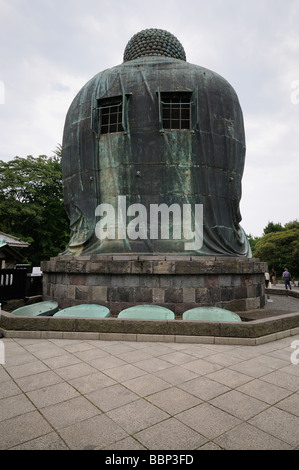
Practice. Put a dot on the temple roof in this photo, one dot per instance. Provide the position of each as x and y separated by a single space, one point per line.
12 241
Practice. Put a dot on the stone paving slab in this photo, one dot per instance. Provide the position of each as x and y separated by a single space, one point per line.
84 394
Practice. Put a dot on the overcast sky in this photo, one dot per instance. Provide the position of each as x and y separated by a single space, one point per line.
49 49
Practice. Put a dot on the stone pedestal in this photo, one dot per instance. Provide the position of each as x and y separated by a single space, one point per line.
176 282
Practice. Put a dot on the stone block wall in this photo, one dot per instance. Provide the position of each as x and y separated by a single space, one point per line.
175 282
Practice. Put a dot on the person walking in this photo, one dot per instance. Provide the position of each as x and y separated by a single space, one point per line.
287 277
267 279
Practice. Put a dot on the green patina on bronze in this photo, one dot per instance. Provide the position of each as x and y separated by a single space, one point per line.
84 311
47 308
154 42
147 312
210 314
150 165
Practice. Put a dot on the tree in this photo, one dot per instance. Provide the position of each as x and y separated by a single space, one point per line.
253 241
280 248
293 224
31 204
271 227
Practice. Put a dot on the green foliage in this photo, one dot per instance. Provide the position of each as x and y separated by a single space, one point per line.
252 241
271 227
280 247
31 204
290 225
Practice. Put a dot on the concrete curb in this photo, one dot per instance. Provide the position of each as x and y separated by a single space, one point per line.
251 333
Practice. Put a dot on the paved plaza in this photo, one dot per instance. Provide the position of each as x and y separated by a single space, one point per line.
60 394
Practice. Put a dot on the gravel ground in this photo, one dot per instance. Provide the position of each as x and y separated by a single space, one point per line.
275 305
